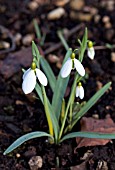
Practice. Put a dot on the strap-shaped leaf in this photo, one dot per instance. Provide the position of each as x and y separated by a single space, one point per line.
60 89
51 112
95 135
49 73
91 102
83 46
25 138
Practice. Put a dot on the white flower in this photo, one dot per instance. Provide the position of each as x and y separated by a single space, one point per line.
90 51
70 64
29 78
80 91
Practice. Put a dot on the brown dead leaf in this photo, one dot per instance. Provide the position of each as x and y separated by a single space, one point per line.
94 125
14 62
82 166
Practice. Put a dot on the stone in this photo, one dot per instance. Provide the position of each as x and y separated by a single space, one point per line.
35 162
17 38
80 16
77 4
97 18
61 2
105 19
53 58
33 5
56 13
113 56
108 25
27 39
4 45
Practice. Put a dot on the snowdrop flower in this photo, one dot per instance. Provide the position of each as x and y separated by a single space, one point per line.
80 91
29 78
72 63
90 51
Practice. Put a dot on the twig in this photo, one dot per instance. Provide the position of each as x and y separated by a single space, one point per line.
102 47
70 33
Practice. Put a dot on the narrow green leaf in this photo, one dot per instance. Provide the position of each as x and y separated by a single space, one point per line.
51 112
60 89
39 92
95 135
91 102
83 46
37 29
63 40
25 138
49 73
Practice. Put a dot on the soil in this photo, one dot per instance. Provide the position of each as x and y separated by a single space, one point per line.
20 114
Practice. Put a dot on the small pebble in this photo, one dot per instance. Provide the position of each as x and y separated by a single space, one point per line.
18 155
56 13
80 16
61 2
4 45
97 18
106 19
58 65
99 85
96 116
19 102
94 11
27 39
33 5
77 4
18 38
110 5
108 25
53 58
35 162
113 56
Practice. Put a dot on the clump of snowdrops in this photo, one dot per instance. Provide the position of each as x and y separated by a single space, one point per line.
61 116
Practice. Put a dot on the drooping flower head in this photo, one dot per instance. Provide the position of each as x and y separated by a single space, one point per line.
80 91
90 51
72 63
29 78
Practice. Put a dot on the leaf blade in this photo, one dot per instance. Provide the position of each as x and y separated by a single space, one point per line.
61 85
25 138
95 135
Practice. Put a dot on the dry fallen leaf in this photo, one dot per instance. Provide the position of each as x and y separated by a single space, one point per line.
94 125
82 166
14 62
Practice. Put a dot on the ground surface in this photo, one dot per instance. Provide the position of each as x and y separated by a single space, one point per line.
20 114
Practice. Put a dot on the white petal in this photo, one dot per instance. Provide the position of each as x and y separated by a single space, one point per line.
29 82
25 73
66 69
91 53
41 77
77 91
81 92
79 67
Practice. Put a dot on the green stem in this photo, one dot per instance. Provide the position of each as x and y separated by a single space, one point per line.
64 42
68 105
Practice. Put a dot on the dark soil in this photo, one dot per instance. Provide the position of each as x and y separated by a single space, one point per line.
20 114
